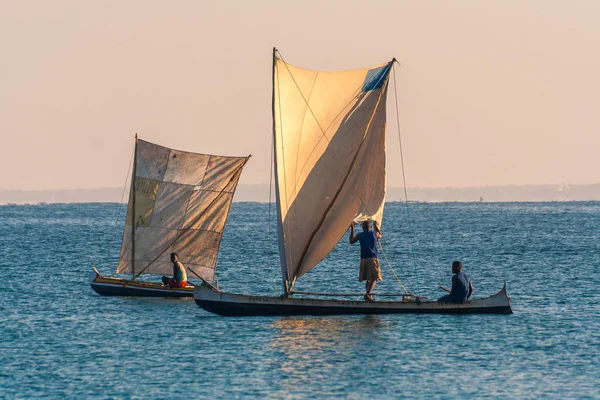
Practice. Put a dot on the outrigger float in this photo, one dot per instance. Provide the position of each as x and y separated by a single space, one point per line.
179 202
329 167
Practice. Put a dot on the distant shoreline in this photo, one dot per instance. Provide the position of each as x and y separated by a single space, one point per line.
260 193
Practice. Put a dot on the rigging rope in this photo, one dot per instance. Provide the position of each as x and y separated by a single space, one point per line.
411 247
391 268
269 218
120 207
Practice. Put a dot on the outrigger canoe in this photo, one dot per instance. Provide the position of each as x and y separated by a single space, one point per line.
109 286
179 202
329 169
212 300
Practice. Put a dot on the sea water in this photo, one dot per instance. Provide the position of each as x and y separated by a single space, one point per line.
59 339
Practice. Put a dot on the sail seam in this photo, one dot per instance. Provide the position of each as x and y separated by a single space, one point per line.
330 206
188 152
205 171
190 185
235 175
321 128
191 263
294 190
324 133
225 225
323 136
180 229
187 207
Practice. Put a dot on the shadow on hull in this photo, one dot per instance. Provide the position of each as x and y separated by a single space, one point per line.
248 310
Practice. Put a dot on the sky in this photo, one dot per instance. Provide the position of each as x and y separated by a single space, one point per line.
495 92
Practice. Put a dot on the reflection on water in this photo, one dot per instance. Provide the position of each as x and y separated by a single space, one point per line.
322 329
300 342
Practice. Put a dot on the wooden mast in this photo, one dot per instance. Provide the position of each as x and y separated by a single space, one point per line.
281 244
133 221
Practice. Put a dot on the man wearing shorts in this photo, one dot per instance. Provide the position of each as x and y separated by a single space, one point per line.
370 270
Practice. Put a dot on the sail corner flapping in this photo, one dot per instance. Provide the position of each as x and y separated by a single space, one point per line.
329 144
179 202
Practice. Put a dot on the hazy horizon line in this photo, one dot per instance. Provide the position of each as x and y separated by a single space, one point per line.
260 193
388 187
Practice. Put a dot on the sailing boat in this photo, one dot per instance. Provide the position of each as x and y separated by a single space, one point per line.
179 202
329 159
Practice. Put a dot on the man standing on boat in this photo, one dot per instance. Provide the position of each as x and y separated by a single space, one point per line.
179 278
370 270
462 287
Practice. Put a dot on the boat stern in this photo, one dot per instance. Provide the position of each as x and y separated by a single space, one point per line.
500 300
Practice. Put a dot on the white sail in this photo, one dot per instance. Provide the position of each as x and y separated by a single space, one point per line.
182 201
330 157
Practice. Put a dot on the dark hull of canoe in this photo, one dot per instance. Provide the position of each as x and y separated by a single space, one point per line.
226 304
108 286
249 310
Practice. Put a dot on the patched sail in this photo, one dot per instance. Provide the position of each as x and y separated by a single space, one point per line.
181 202
329 130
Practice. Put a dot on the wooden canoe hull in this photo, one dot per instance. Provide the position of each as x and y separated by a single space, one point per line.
227 304
109 286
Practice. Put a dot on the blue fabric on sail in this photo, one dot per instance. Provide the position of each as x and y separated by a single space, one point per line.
376 78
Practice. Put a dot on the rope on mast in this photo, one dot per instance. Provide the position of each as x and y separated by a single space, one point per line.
269 217
392 269
410 243
120 207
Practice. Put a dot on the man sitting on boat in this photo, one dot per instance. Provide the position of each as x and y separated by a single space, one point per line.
179 278
462 287
369 264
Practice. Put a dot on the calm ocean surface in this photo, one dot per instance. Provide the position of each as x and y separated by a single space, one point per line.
62 340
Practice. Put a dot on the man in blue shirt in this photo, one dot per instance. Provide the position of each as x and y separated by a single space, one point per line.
462 287
370 270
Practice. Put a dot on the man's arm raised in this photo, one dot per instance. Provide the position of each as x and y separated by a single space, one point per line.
353 238
377 231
